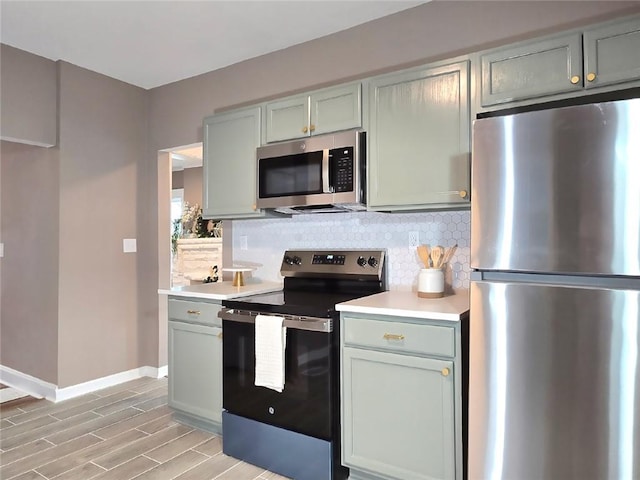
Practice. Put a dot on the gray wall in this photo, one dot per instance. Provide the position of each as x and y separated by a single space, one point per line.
29 191
177 179
111 185
28 95
191 180
103 138
69 298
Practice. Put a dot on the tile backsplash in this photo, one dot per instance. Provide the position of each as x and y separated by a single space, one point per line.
266 240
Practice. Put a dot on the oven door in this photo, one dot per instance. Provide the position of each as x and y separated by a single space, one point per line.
305 405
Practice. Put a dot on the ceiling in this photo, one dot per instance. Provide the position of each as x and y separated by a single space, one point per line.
188 157
150 43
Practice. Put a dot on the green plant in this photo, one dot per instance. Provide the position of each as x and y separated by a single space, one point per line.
190 216
175 235
192 224
206 228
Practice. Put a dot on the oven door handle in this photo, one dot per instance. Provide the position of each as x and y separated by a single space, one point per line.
313 324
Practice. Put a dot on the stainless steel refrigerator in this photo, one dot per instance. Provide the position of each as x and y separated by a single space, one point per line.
554 369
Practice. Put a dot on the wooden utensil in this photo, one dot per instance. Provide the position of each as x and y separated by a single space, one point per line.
441 262
448 254
423 253
436 256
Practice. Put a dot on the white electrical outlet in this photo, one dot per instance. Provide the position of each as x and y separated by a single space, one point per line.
129 245
414 239
244 242
1 250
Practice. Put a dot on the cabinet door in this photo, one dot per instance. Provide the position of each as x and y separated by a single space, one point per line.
229 173
419 143
336 109
288 118
398 415
195 370
532 70
612 53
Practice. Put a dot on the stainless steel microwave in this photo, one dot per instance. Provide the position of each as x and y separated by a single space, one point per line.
325 173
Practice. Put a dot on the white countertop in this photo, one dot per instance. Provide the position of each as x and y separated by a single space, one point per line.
408 304
221 290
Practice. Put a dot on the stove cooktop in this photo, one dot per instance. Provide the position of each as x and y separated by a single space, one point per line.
307 304
316 280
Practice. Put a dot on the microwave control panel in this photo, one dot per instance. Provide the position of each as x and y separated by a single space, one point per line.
341 161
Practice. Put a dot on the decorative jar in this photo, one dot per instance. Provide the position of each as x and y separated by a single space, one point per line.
431 283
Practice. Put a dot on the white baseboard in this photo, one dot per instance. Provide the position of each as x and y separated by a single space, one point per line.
154 372
8 394
25 383
41 389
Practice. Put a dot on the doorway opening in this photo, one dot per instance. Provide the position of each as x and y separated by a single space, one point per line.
180 238
185 209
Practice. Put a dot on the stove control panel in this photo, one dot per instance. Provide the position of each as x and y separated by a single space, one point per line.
333 263
372 261
328 259
292 260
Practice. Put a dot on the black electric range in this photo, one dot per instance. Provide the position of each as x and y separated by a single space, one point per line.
296 432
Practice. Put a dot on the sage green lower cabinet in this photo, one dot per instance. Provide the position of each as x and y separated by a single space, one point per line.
401 399
195 364
229 164
419 140
400 415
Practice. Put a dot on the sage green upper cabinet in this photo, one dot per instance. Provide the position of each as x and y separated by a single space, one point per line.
532 70
288 118
419 141
337 108
322 111
564 66
229 173
612 53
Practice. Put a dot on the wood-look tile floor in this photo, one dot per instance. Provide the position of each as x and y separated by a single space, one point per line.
119 433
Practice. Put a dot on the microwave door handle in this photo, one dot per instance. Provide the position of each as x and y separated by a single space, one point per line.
326 185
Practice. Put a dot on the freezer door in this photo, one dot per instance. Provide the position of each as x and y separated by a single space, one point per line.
558 191
554 383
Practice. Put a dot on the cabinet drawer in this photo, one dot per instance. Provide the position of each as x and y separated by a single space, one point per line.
399 336
193 311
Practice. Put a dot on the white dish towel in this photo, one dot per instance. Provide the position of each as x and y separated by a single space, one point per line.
271 340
